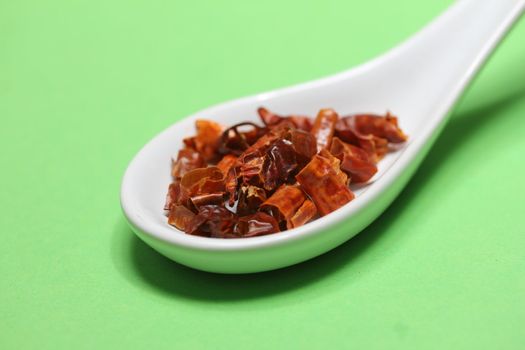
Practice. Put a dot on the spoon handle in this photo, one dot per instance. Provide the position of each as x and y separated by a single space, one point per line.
445 55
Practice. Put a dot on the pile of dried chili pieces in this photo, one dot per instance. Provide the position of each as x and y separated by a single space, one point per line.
249 180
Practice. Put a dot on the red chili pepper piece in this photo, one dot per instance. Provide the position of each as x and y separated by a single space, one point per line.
184 219
324 128
250 199
375 146
354 160
226 163
207 140
325 183
203 185
385 127
258 224
271 119
217 221
235 141
174 195
304 214
284 203
187 160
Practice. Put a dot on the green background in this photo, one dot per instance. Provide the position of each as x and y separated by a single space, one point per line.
84 84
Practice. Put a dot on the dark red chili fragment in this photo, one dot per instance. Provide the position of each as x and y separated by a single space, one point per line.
325 183
354 160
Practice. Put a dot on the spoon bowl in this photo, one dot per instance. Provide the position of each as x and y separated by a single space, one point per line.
419 81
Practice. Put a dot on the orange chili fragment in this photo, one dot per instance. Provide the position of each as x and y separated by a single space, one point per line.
385 127
271 119
174 195
324 127
375 146
354 160
257 224
206 142
226 163
325 183
203 185
304 214
184 219
187 160
283 204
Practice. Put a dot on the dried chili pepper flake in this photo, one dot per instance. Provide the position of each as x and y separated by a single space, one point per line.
202 181
251 168
267 117
325 183
306 212
235 141
257 224
203 186
324 127
301 122
226 163
268 162
216 198
279 163
384 127
187 160
262 144
184 219
354 160
304 144
207 139
216 220
375 146
189 142
231 184
298 121
284 203
250 199
173 196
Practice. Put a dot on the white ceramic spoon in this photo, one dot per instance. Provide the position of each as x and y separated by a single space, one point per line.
419 81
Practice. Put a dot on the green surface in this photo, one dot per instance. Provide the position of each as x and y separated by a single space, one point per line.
84 84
